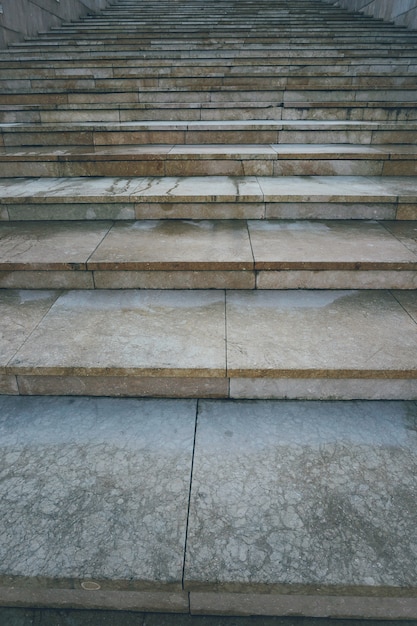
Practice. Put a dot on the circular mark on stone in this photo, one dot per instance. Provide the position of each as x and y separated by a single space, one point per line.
89 585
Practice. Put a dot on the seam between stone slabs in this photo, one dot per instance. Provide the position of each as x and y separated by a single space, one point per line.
59 292
87 261
189 499
382 223
391 291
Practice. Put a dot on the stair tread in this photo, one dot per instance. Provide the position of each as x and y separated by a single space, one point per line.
208 245
209 188
147 451
304 334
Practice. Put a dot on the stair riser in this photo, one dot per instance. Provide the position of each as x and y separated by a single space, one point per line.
206 167
219 279
91 138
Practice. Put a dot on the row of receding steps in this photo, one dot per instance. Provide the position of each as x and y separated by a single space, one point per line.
208 262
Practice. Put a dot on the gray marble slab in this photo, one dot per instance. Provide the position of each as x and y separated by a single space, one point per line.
304 497
94 489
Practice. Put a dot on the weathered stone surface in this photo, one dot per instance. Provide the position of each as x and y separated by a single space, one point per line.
308 497
94 489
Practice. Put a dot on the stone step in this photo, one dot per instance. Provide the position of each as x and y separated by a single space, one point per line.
240 344
310 68
203 160
208 254
225 132
111 111
187 491
209 197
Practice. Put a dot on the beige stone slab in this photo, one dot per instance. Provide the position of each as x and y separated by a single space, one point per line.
345 151
404 231
337 279
327 189
323 389
314 334
403 187
197 189
174 245
219 279
123 386
400 168
50 279
407 211
8 385
337 245
330 167
158 601
294 605
142 333
202 210
67 211
21 312
49 245
330 210
219 166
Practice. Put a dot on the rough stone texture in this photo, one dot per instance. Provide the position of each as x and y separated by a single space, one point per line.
94 489
319 334
402 12
304 498
21 18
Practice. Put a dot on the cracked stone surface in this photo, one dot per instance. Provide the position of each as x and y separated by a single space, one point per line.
94 489
317 496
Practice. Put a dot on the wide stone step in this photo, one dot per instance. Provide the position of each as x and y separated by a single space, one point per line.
196 160
206 507
207 254
209 197
259 82
239 344
111 111
225 132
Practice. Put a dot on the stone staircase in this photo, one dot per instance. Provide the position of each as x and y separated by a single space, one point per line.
210 207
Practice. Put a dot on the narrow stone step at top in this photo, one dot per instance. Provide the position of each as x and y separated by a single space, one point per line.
171 480
221 132
209 254
209 197
239 344
203 160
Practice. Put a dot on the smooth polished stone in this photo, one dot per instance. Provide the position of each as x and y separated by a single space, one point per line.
301 497
21 312
95 490
174 245
49 245
323 244
142 333
315 334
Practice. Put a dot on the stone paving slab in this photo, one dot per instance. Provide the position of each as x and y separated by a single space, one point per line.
141 333
304 498
95 493
319 334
